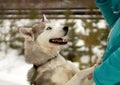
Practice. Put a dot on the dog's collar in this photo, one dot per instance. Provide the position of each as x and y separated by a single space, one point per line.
36 66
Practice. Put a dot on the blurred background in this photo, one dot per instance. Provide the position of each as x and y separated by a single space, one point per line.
87 36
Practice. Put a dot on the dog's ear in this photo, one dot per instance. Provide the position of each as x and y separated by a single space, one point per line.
27 33
44 19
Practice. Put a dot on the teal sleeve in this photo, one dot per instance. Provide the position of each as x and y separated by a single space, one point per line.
107 11
108 73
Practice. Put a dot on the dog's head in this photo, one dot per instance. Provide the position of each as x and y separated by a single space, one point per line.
46 33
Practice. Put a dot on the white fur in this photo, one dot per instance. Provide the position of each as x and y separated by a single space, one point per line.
40 50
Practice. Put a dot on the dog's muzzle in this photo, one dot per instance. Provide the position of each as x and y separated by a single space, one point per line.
62 40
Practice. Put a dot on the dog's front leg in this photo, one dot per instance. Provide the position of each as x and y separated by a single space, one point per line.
78 77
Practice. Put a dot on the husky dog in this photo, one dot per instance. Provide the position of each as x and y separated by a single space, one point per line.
42 46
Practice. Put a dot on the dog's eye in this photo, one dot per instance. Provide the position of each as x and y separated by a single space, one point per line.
49 28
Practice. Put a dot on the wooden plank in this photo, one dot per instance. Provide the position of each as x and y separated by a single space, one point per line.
13 9
51 17
20 4
51 12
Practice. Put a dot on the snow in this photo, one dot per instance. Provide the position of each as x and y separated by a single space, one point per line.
13 69
3 82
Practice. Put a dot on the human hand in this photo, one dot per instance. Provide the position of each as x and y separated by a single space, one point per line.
90 76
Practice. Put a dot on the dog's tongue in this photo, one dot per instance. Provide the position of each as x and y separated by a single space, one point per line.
58 41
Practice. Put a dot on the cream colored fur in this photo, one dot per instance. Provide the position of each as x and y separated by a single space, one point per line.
38 50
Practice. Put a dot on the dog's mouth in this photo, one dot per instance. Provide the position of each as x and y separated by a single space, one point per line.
59 41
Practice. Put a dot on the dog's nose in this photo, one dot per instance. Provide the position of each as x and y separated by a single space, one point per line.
65 28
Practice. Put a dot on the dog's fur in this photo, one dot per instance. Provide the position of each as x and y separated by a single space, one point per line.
39 49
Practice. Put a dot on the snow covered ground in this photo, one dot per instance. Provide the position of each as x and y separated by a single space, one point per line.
13 69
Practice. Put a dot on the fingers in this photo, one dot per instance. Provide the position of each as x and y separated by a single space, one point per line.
90 77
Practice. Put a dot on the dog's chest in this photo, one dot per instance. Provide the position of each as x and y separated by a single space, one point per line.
57 76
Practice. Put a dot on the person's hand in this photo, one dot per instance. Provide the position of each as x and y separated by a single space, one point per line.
90 77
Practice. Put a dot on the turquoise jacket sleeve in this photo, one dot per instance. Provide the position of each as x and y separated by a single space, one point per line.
105 7
108 73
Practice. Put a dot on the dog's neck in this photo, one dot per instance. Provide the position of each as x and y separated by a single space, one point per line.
59 60
47 61
37 55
